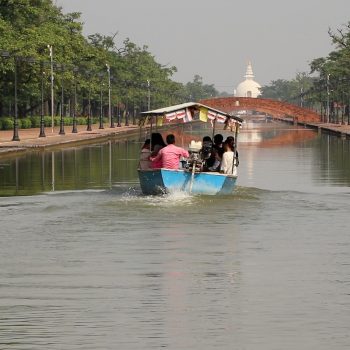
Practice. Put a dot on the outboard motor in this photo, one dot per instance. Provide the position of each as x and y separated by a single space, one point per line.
194 162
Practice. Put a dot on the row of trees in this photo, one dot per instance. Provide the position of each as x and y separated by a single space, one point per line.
327 86
27 27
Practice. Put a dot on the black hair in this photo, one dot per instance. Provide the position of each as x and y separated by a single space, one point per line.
157 139
170 139
218 138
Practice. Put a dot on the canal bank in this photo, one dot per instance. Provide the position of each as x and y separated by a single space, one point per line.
29 138
341 130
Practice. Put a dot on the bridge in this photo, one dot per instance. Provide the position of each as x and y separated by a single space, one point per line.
274 108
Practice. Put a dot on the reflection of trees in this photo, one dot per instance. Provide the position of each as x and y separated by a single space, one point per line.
335 158
78 168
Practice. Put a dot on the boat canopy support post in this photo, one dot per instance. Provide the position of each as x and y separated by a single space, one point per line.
212 138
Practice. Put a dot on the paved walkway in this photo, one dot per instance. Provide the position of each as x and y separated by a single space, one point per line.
340 130
29 138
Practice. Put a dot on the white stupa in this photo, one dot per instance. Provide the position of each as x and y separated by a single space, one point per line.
248 87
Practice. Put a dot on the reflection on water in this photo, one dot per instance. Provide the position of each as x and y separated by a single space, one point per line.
300 151
90 263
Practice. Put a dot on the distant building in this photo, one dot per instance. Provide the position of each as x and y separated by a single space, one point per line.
248 87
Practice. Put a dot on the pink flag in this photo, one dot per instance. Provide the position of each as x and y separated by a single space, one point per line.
170 116
220 118
211 115
181 114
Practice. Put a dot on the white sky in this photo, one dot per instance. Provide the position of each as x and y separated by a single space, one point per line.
216 39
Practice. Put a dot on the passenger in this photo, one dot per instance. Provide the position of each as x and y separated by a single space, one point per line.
170 155
216 154
218 139
231 141
157 143
205 152
145 163
227 165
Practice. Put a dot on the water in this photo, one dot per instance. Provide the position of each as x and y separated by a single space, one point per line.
96 265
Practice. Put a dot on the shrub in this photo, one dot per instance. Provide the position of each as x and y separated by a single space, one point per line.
81 121
68 121
24 123
57 121
7 123
47 121
35 122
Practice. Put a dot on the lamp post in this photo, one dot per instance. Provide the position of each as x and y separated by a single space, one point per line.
52 92
111 124
89 109
15 123
119 115
126 117
327 111
42 125
149 94
74 129
101 102
134 115
15 137
62 132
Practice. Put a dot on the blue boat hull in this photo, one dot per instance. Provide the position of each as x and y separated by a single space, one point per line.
158 181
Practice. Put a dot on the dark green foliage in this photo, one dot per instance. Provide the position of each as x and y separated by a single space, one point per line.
27 27
7 123
25 123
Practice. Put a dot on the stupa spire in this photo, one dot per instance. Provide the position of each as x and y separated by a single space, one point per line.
249 73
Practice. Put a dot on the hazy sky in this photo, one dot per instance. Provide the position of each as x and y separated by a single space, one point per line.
216 39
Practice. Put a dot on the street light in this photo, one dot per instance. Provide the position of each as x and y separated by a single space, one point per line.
109 96
15 137
149 94
62 101
74 129
42 126
52 92
327 112
89 106
15 123
119 115
101 102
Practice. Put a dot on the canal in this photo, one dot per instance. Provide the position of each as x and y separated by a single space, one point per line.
87 262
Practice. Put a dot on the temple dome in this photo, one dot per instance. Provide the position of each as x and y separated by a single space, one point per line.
248 87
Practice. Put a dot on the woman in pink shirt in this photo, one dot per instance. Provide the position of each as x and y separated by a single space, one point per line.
169 156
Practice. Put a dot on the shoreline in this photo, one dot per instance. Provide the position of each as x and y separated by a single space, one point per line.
30 140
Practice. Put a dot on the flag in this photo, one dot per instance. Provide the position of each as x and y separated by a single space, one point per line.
220 118
170 116
159 120
180 114
211 115
203 114
188 116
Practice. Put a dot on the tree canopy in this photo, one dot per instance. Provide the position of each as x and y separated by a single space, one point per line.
27 27
327 82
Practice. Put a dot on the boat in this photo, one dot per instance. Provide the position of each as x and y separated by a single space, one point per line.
190 177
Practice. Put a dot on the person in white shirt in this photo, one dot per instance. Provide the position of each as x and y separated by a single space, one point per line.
228 162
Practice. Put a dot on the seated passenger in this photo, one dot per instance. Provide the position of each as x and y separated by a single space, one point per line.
228 165
216 154
170 155
231 141
145 163
157 143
